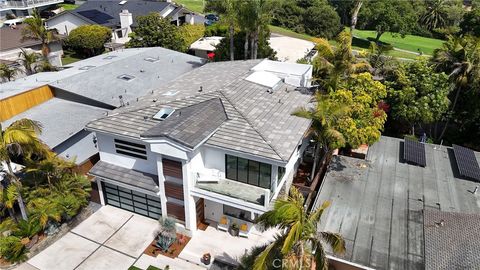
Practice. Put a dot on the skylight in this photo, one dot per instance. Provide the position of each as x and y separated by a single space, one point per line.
163 114
86 67
264 78
122 2
109 57
151 59
126 77
170 93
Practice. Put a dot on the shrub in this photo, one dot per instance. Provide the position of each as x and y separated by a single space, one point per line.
88 40
190 33
217 29
12 249
27 228
322 21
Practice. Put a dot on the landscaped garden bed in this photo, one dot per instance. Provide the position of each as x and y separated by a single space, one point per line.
168 242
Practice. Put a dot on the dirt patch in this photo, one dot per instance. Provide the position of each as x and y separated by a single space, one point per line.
173 251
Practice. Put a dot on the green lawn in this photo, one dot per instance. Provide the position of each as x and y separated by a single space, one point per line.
409 43
70 57
194 5
68 6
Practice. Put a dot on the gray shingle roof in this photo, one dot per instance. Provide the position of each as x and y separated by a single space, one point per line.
123 175
192 124
260 123
452 240
378 203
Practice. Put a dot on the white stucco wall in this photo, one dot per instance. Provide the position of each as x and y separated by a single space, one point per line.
213 210
107 153
65 23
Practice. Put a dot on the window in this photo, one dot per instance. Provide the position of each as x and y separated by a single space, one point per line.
248 171
126 77
163 114
238 213
130 149
281 173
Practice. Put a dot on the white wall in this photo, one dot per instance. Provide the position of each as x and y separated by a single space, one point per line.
213 210
107 153
65 23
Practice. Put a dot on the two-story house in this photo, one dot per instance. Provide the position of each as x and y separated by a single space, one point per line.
218 141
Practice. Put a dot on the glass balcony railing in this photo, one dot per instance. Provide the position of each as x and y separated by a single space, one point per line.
27 3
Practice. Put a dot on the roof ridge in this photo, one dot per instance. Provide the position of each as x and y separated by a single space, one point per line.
251 125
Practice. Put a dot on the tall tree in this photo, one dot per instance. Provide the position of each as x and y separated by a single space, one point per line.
300 243
321 20
418 95
435 15
7 73
153 30
335 63
355 11
35 29
460 58
396 17
28 60
21 137
324 116
470 24
228 12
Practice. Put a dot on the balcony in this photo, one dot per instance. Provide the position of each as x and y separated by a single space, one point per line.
26 4
212 181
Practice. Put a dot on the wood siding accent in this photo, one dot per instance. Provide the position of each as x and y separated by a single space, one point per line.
85 167
172 168
200 211
11 106
175 210
174 190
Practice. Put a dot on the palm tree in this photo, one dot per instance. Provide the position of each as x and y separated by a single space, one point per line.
19 138
52 168
460 58
35 29
8 196
254 16
299 242
436 14
324 116
334 63
28 60
45 66
7 73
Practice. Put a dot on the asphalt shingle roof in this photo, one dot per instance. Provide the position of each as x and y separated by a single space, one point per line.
191 125
452 240
131 177
378 203
260 123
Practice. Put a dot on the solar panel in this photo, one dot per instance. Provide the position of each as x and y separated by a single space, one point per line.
414 152
467 162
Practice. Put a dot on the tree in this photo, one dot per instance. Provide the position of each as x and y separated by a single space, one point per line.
228 12
45 66
299 241
50 169
89 40
222 50
441 14
28 59
7 73
288 14
191 33
335 63
35 29
397 17
8 196
460 58
21 137
418 94
321 20
153 30
471 23
364 119
356 10
324 116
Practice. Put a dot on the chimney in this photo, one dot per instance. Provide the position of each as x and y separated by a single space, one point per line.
126 20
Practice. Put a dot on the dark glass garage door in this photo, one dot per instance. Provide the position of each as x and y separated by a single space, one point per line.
132 201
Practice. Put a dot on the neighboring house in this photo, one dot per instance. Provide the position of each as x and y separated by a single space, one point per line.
119 16
396 215
22 8
65 101
218 141
205 46
11 43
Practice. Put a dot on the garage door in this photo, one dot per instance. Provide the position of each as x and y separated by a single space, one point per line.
133 201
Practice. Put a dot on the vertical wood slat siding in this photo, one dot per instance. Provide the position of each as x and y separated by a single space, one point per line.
174 190
176 211
199 206
11 106
172 168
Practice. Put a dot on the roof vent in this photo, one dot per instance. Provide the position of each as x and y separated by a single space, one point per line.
151 59
86 67
122 2
109 57
163 114
126 77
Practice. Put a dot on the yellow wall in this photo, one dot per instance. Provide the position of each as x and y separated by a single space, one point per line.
17 104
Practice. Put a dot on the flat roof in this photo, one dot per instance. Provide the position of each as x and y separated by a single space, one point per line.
206 43
378 203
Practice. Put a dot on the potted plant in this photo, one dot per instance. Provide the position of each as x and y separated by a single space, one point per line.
234 229
206 258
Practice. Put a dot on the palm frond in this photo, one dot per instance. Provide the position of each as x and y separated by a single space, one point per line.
335 240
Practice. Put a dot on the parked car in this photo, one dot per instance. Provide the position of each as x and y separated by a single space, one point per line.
212 17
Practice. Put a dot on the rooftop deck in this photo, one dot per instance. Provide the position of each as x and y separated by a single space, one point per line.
245 192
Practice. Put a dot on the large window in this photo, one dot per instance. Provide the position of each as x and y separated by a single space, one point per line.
248 171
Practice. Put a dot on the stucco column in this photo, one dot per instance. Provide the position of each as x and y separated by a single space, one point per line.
189 201
161 185
274 180
100 191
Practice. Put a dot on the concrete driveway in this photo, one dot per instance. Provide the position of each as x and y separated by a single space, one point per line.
110 238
